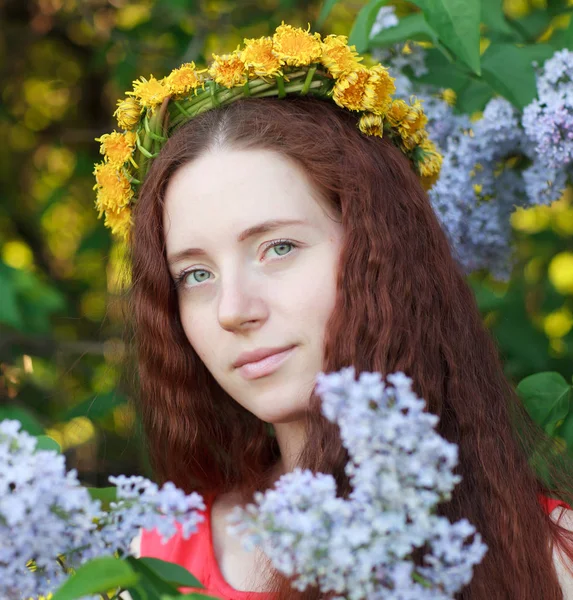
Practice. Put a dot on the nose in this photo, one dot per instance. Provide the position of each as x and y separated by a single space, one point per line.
241 303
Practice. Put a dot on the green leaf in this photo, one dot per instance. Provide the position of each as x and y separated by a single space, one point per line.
556 7
26 417
457 22
9 312
26 303
325 9
441 72
493 17
97 575
566 431
509 70
95 407
474 96
412 27
149 580
106 495
562 38
171 572
487 300
360 32
47 443
533 25
547 398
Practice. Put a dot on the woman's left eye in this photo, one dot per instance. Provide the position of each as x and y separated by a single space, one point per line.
281 247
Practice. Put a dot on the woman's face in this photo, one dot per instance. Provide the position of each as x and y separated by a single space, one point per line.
245 281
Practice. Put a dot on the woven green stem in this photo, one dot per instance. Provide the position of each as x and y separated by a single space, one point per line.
301 81
213 94
308 81
281 86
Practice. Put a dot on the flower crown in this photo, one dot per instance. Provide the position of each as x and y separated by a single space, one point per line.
292 61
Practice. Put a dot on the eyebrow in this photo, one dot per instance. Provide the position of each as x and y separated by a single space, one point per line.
248 233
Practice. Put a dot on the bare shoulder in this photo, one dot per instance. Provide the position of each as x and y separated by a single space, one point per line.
563 565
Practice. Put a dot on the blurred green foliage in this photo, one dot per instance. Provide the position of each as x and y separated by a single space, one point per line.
63 64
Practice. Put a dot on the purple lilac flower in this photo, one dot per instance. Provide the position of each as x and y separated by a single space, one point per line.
400 469
45 513
548 120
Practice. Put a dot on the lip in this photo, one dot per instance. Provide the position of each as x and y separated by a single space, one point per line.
256 355
265 366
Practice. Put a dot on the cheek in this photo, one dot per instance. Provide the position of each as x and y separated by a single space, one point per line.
319 295
195 330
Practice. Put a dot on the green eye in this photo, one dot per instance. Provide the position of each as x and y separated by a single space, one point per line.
282 247
199 275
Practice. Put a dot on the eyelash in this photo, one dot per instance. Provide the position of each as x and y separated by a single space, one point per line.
179 279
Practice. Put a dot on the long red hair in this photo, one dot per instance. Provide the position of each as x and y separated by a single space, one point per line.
402 304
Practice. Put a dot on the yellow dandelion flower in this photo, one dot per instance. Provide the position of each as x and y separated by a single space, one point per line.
431 162
409 121
258 56
397 112
127 113
149 93
371 124
184 79
228 70
338 57
350 89
295 46
379 90
113 188
117 147
412 127
119 222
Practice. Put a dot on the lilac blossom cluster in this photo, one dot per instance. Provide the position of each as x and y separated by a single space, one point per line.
495 163
362 547
48 517
548 120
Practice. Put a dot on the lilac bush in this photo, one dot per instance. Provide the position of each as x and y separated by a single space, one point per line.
494 163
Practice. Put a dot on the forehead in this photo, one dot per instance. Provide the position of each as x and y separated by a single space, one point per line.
225 191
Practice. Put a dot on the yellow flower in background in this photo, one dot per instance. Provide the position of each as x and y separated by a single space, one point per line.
558 323
128 113
184 79
149 93
117 147
113 188
531 220
560 272
350 89
259 57
371 124
379 90
338 57
119 221
449 96
431 161
228 70
295 46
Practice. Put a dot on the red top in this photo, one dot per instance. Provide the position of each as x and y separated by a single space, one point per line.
196 554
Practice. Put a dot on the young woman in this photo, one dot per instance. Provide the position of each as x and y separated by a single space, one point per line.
273 239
